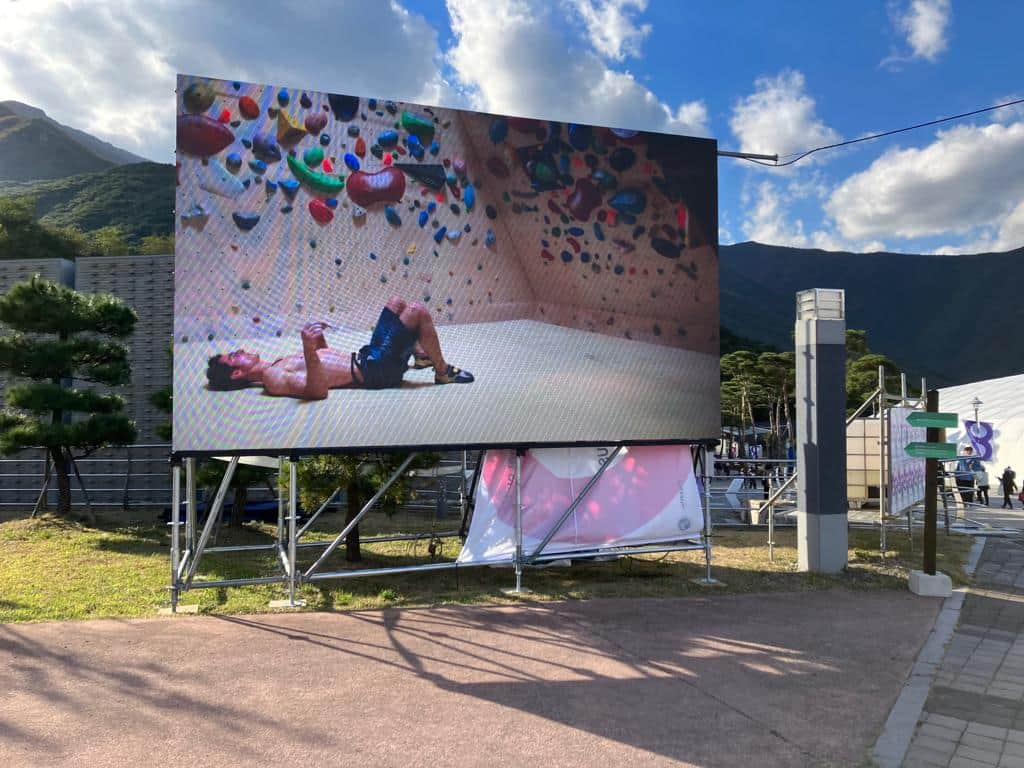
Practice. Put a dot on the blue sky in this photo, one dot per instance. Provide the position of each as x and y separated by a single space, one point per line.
765 77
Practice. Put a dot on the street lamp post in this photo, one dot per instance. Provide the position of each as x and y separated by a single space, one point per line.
976 402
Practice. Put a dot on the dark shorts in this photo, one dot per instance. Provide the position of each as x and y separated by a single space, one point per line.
384 361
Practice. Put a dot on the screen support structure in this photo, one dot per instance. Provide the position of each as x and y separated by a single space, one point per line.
187 551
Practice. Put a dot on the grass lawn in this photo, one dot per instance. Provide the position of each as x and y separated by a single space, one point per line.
54 569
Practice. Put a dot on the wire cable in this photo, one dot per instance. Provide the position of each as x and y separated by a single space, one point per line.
797 156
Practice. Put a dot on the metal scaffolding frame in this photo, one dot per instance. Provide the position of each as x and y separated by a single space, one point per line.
187 550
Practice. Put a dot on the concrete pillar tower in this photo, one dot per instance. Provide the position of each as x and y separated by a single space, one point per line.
821 430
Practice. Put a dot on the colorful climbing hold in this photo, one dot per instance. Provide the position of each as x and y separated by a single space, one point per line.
598 232
258 166
417 126
325 139
489 238
305 101
315 123
289 187
360 148
233 161
246 221
434 148
584 199
320 211
358 212
454 235
630 201
580 136
328 166
386 185
392 216
202 136
666 248
439 234
265 148
319 182
289 132
343 107
313 157
622 159
498 130
388 138
469 197
283 98
387 158
423 217
331 202
198 97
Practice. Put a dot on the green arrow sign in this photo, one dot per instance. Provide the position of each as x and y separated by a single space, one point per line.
934 420
932 450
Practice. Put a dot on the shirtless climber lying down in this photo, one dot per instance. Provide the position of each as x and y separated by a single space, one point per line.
403 330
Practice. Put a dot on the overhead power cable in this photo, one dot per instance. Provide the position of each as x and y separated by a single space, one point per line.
797 156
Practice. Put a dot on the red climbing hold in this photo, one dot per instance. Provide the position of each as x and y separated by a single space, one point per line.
584 199
328 166
361 147
202 136
248 108
224 116
320 211
574 243
546 255
384 186
387 158
681 217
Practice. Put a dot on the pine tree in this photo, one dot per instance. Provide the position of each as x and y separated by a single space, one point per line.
58 338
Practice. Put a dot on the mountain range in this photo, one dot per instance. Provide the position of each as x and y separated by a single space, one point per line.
952 319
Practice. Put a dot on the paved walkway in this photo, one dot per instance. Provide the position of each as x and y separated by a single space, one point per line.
789 679
974 714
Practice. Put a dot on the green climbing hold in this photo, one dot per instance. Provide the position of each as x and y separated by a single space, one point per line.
313 156
197 98
420 127
318 182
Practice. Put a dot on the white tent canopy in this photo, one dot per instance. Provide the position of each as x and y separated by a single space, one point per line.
1002 404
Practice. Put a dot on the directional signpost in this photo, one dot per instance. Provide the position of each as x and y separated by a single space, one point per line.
928 582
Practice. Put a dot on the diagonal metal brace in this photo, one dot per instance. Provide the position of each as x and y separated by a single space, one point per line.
362 513
572 507
212 516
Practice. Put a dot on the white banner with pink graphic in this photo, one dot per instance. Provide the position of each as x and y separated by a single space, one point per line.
906 474
648 494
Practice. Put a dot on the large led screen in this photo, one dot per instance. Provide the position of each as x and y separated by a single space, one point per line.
352 272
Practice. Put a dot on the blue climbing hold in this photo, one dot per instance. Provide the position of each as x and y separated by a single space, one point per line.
630 201
434 148
392 216
416 150
286 209
258 166
388 138
575 231
353 130
566 256
332 202
413 141
305 101
431 206
289 187
498 130
271 187
580 136
246 221
325 139
469 197
282 97
598 232
424 216
585 257
372 104
439 234
352 161
489 238
247 143
233 161
619 269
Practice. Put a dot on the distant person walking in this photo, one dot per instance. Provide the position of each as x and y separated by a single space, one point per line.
981 478
1007 481
966 467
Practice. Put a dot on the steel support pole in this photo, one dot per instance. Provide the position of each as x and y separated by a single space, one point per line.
175 532
572 507
293 514
212 516
931 469
190 504
881 458
280 502
708 580
519 521
362 513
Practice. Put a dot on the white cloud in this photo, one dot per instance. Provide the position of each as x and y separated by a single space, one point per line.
924 23
969 177
768 219
779 117
107 66
1006 237
510 56
610 25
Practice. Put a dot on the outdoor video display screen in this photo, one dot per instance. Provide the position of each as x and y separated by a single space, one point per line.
352 272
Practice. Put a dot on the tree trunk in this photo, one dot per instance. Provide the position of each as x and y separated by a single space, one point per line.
238 511
60 468
354 499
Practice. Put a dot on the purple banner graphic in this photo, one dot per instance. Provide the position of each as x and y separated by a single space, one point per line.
980 434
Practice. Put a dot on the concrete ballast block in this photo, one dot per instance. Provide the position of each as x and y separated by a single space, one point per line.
929 585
